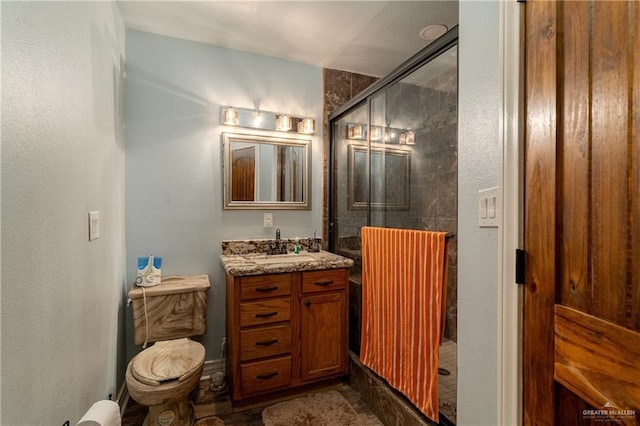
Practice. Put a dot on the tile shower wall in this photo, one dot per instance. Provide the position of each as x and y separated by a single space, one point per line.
435 179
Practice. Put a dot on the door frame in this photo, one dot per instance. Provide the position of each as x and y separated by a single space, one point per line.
510 232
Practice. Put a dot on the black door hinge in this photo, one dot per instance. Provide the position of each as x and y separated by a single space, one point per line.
521 265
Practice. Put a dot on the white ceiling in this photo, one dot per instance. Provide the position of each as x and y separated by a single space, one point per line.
367 37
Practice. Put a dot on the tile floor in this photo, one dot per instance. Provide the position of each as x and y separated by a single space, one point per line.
447 384
209 403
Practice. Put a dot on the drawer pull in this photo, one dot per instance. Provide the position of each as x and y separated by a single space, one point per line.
267 376
324 282
266 289
267 342
267 315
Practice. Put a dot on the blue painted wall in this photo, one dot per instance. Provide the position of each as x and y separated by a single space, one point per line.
173 93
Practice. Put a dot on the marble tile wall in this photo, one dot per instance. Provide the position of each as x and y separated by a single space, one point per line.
339 88
436 150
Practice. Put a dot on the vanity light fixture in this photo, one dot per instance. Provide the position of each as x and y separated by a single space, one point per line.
230 117
376 133
411 137
356 131
255 118
283 123
307 126
381 134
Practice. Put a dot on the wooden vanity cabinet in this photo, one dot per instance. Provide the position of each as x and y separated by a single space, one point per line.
285 330
323 317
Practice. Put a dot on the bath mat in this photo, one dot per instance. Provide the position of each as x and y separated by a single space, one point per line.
321 409
209 421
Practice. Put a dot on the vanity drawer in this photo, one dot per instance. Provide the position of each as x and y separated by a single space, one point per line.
265 341
260 286
325 280
265 375
265 312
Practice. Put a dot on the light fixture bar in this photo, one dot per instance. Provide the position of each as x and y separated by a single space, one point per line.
380 134
266 120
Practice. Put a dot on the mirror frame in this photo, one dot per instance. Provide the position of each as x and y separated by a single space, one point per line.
354 204
271 138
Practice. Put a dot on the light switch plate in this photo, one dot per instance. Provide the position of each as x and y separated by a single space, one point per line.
94 225
488 208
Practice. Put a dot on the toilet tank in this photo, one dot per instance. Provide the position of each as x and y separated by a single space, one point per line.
175 308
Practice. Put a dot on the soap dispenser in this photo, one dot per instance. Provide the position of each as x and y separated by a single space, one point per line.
314 243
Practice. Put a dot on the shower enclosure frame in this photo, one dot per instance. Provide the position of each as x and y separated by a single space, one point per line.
337 121
433 50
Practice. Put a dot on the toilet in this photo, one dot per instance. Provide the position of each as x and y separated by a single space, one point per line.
163 376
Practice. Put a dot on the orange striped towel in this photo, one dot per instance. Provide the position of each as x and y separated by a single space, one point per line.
403 288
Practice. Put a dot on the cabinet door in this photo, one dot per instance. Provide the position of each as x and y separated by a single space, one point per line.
324 335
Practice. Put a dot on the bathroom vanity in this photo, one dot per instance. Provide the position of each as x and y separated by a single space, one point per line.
286 320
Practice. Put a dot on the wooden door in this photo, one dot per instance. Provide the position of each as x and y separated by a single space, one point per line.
582 213
324 335
243 175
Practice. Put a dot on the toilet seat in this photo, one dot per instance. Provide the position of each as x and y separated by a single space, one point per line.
168 360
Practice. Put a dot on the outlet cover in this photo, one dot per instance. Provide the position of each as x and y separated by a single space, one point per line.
268 220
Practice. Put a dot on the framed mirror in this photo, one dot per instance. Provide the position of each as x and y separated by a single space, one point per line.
264 171
391 190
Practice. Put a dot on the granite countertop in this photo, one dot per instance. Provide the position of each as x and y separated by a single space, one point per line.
260 263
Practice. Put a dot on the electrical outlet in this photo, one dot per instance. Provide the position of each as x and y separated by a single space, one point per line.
268 220
94 225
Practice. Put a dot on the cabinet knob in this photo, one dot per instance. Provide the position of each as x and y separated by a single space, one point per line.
307 303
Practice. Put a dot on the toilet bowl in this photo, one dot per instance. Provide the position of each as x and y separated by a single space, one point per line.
163 376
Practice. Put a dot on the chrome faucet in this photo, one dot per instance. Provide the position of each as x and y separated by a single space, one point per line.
276 248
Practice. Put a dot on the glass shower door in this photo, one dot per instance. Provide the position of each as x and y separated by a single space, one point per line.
395 166
413 153
350 193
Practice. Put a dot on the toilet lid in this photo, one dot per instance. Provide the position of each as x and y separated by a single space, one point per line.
168 360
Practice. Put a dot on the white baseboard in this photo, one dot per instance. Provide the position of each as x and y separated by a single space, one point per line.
123 398
212 366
